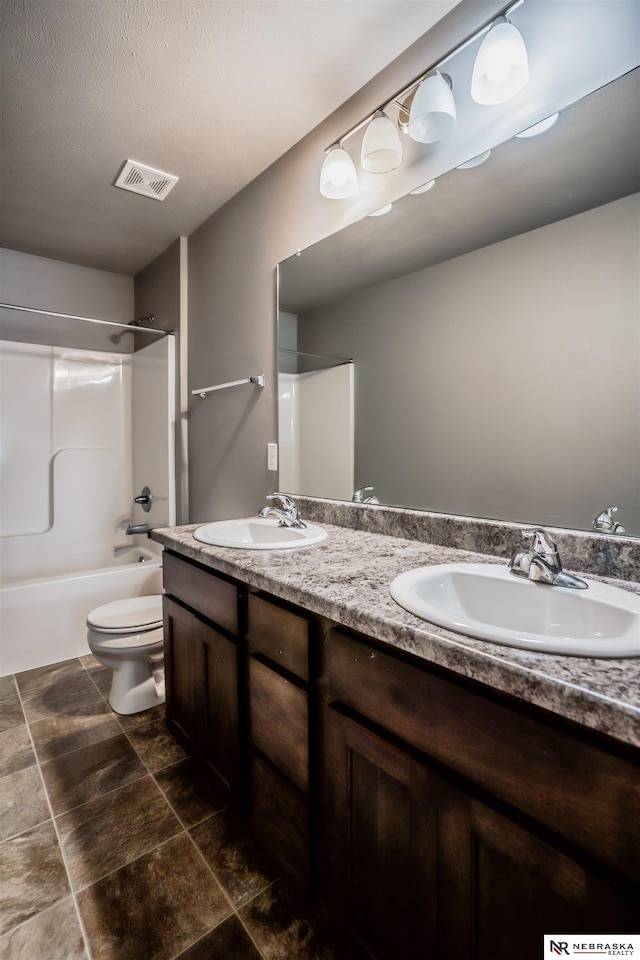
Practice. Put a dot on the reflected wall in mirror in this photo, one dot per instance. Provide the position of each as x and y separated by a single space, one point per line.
494 325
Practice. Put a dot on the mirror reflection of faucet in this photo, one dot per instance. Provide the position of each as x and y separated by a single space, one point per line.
541 564
364 495
604 522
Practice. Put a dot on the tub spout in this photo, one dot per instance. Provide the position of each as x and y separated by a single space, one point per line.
137 528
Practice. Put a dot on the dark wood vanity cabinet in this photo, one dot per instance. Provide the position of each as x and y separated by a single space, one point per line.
456 826
427 815
280 751
203 666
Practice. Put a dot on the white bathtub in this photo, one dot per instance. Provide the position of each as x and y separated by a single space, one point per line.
44 621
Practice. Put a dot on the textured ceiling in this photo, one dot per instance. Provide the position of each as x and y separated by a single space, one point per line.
211 91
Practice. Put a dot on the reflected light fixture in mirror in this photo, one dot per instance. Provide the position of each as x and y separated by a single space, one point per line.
501 68
423 188
474 161
381 148
338 177
433 112
380 212
538 128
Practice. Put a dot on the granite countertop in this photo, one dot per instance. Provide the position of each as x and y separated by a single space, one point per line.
346 579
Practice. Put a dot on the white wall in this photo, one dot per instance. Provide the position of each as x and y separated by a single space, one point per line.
316 431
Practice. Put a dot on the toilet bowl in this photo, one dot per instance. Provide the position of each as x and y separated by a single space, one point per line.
126 636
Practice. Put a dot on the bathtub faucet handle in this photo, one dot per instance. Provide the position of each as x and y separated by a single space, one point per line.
144 499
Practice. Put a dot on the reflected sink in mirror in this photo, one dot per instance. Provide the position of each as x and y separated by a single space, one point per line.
485 601
258 533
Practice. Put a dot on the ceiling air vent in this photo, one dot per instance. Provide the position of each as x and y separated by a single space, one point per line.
145 180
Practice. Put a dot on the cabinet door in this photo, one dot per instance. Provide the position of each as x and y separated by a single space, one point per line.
183 667
220 733
503 888
380 826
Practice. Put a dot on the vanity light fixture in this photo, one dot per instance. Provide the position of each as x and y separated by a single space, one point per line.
426 107
338 177
501 67
538 128
381 147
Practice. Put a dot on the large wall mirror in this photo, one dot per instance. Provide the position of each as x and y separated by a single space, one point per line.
494 327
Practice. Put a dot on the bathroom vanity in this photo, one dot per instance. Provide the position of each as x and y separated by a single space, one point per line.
435 795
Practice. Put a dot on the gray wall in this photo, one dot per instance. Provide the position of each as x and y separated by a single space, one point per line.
160 290
232 301
233 255
504 383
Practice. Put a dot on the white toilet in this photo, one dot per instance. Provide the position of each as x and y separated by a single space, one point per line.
126 636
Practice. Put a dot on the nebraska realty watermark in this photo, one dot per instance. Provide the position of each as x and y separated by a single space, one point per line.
591 945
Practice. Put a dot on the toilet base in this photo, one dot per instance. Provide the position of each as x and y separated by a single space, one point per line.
134 687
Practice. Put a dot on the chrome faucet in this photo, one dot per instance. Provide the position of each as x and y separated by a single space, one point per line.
604 522
364 495
285 508
541 563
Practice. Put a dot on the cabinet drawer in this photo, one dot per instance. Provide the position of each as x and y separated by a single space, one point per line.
280 635
280 820
279 722
203 590
550 772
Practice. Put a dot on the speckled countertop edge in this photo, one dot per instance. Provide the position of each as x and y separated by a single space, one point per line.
346 579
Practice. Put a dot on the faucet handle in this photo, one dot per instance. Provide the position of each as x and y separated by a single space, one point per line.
541 541
545 546
283 501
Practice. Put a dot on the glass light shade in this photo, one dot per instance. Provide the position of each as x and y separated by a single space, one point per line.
338 177
541 127
501 68
433 111
381 147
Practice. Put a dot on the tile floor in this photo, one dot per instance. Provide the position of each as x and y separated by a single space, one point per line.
112 848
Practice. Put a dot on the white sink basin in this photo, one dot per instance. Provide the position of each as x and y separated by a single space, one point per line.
487 602
258 533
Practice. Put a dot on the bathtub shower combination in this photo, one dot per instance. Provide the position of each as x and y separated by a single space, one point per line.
76 448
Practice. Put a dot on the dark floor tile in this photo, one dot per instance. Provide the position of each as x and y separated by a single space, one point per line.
102 680
60 698
240 868
229 941
90 772
90 663
110 831
11 713
52 935
34 877
16 751
155 745
79 725
31 683
7 687
193 795
154 907
279 923
23 803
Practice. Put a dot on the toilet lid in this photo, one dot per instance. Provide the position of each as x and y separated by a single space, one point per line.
135 614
